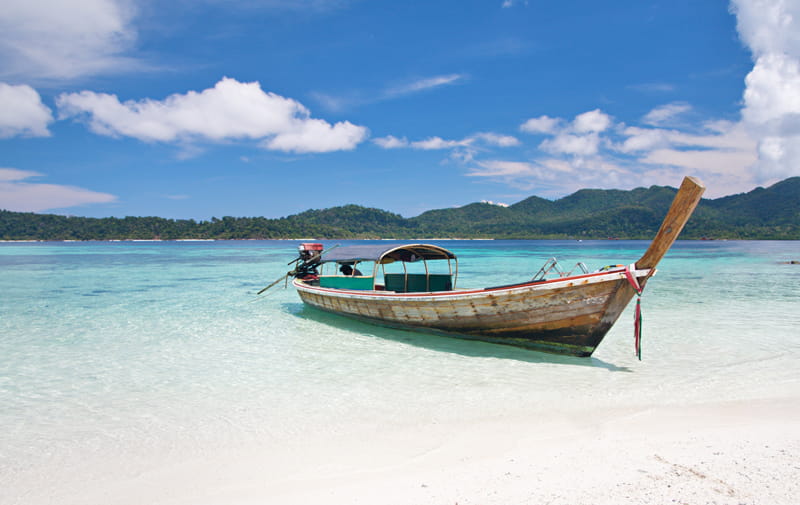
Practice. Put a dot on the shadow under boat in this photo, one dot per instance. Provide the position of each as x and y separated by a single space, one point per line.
455 344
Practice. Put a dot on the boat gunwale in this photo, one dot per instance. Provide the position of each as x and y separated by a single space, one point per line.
590 278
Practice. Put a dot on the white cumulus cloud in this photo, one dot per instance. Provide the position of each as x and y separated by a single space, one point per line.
22 112
231 110
495 139
576 145
433 143
541 124
580 138
317 136
773 90
771 30
642 139
64 39
592 150
19 196
594 121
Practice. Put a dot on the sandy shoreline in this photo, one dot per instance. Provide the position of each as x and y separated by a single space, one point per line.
725 453
737 453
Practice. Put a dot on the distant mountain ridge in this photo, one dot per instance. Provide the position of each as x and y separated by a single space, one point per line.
771 213
763 213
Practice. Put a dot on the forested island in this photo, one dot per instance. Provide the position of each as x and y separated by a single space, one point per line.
765 213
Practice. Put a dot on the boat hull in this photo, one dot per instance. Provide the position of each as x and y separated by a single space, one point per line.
565 316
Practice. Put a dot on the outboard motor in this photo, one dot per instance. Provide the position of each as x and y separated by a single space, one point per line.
309 261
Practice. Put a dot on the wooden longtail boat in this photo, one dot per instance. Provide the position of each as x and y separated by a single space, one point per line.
568 314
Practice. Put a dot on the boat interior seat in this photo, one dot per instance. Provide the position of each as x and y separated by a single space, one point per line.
418 283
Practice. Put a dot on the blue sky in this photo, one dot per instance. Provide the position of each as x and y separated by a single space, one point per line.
205 108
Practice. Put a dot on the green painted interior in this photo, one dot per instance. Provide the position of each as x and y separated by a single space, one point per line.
418 283
341 282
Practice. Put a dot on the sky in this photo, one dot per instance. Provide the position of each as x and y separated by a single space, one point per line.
210 108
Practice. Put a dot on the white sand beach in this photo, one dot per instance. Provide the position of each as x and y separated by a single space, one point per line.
725 453
733 453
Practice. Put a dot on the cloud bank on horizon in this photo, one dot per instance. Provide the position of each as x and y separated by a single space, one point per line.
54 45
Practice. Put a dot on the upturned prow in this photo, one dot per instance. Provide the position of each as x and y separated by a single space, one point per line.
680 211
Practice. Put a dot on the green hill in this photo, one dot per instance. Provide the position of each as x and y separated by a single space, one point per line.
764 213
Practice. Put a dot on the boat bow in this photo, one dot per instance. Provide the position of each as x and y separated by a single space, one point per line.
567 315
687 198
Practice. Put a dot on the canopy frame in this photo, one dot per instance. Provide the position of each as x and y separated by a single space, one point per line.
383 254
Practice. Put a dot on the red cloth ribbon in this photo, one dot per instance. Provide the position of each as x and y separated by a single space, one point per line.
637 314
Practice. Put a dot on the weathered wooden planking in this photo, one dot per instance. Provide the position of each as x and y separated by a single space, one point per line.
569 316
558 316
687 198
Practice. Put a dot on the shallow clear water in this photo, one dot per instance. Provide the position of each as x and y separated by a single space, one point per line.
136 353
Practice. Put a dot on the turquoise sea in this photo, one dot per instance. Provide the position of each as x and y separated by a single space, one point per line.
121 358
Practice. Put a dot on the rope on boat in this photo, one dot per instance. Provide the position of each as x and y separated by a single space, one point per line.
637 314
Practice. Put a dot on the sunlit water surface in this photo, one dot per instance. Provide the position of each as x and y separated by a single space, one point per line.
136 353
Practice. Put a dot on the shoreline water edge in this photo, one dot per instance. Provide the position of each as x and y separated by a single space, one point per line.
149 373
